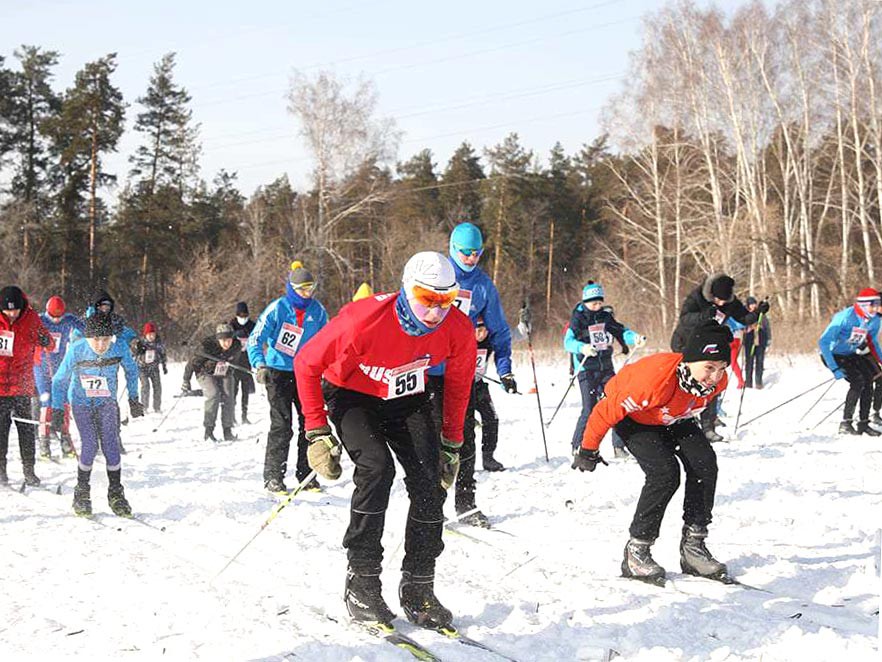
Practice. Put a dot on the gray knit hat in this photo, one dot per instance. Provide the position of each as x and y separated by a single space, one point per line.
223 331
300 275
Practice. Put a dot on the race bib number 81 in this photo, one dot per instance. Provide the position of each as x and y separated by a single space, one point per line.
7 342
95 386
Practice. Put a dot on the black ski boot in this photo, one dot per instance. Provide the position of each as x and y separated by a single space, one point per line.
30 478
363 596
863 427
276 486
228 435
245 420
116 499
420 604
695 559
639 564
82 501
491 463
45 450
4 479
846 428
875 419
312 486
474 518
712 436
67 449
209 435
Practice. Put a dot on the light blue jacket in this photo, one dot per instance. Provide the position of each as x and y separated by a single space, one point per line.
72 379
268 331
845 334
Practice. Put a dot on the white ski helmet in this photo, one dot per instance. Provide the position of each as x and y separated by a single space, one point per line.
431 271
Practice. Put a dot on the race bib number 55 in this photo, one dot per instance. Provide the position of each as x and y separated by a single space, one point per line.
408 379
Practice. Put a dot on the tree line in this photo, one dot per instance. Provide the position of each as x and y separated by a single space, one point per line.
748 142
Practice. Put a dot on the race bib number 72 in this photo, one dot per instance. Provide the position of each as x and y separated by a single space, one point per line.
95 386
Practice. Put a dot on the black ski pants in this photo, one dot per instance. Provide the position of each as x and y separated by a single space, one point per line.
149 376
281 392
19 406
244 383
372 430
859 371
754 363
877 395
465 479
482 403
591 384
657 449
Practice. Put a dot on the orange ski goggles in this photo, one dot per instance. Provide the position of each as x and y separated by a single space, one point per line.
432 299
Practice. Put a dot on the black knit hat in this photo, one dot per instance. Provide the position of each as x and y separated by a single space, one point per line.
99 325
12 298
723 287
241 309
101 297
709 342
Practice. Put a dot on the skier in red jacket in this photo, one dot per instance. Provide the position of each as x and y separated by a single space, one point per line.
374 356
21 335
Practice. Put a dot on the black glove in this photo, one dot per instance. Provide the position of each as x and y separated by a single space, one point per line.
164 369
509 383
586 460
625 349
763 307
136 408
44 339
57 421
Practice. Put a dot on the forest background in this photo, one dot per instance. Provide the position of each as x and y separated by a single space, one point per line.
748 142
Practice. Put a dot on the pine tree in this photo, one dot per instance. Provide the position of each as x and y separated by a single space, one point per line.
89 125
460 194
416 196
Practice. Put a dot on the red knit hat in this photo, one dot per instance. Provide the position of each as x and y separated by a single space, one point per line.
867 295
55 306
149 327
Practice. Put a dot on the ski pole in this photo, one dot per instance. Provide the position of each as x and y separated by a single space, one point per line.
273 514
795 397
817 402
229 365
525 316
569 386
496 381
753 345
838 407
29 421
167 414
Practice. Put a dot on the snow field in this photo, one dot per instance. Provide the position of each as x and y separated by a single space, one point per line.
798 513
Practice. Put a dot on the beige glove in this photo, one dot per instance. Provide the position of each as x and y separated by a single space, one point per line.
323 453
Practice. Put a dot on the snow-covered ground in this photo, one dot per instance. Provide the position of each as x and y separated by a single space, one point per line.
798 513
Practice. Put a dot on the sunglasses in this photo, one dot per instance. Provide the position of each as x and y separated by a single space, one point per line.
469 252
432 299
303 287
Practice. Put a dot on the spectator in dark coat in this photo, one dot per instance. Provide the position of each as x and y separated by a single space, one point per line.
757 339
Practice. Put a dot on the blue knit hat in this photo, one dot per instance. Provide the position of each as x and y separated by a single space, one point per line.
592 291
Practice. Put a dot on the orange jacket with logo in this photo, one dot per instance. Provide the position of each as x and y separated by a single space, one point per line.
647 392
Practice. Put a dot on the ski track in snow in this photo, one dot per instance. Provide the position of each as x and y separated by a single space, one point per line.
797 513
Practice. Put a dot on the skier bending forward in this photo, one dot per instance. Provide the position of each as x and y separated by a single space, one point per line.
374 356
652 404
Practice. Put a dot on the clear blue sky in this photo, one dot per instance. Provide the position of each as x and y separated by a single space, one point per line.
537 68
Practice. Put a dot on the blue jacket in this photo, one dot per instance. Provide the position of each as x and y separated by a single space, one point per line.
597 328
845 334
269 331
478 293
62 332
80 363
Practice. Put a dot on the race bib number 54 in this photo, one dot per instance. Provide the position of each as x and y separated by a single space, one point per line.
408 379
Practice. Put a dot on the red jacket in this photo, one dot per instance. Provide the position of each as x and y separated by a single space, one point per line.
364 349
23 336
646 391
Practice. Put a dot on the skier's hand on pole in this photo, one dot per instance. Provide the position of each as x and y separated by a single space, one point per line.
640 342
261 375
323 453
136 408
509 383
587 350
448 465
586 460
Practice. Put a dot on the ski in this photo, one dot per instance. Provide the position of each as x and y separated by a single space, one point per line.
728 580
388 633
454 634
24 487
